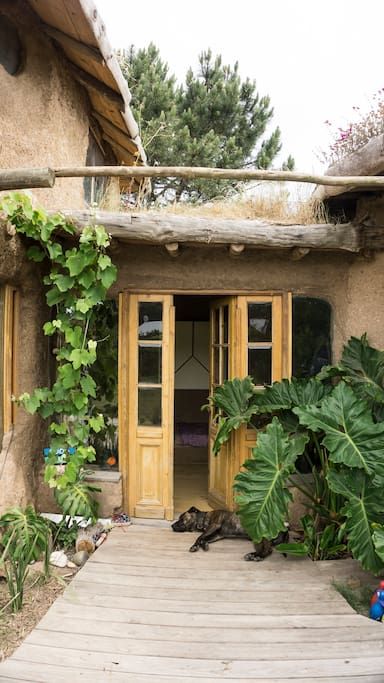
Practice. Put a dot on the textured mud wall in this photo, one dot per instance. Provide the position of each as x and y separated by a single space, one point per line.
43 112
20 451
321 275
44 121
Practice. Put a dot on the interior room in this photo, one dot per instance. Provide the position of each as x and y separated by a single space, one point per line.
191 393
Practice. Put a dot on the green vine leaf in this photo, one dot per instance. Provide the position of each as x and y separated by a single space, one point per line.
108 276
35 254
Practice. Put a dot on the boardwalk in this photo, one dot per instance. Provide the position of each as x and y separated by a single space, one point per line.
143 609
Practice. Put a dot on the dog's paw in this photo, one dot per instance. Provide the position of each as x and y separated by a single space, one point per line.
205 545
253 557
193 548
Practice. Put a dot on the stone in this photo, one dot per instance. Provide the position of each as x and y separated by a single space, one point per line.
80 558
71 565
58 558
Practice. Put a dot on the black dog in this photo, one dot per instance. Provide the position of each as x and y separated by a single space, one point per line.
220 524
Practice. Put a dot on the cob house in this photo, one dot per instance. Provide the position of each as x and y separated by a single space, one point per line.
197 299
63 100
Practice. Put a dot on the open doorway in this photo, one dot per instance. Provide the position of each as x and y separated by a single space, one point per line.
191 392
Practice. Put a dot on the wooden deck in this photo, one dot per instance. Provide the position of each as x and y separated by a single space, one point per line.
143 609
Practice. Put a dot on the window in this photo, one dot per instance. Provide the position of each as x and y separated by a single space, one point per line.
150 343
11 49
7 367
311 335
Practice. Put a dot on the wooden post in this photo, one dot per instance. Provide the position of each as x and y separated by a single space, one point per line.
173 249
236 249
26 178
298 253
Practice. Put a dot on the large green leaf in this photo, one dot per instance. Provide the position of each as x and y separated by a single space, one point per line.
351 436
29 531
288 394
262 493
364 507
378 540
363 367
233 398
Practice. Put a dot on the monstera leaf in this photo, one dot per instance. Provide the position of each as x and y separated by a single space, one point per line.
288 394
233 398
364 508
351 436
262 493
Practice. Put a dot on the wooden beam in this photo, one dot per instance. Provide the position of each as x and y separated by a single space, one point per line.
172 249
298 253
116 133
236 249
26 178
162 229
93 83
187 172
66 41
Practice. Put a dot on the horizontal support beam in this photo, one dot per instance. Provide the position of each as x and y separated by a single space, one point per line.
26 178
349 182
163 229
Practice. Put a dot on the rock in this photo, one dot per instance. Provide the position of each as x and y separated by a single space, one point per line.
58 558
80 558
101 539
71 565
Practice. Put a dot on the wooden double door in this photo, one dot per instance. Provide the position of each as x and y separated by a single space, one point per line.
248 335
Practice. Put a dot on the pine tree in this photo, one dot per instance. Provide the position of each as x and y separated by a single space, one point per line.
214 119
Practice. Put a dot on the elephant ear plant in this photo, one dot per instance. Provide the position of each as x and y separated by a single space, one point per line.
335 424
79 274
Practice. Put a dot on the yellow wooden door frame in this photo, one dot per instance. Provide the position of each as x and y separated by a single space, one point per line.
146 450
146 453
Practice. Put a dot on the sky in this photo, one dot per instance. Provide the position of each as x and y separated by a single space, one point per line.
316 60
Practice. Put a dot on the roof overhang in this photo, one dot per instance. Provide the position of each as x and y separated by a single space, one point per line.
79 31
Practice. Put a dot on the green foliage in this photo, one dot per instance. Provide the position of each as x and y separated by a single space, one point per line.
262 493
213 119
64 533
25 537
343 443
77 284
76 499
233 401
321 544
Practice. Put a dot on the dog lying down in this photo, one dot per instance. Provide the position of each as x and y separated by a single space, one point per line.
220 524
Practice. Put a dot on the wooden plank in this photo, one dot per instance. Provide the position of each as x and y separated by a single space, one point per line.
163 228
93 83
81 49
49 673
247 669
89 588
247 573
189 634
26 178
240 621
117 133
263 604
206 650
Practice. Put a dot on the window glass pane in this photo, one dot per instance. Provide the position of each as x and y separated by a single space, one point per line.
216 326
150 407
260 322
225 324
311 336
216 365
150 364
260 365
224 363
150 320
